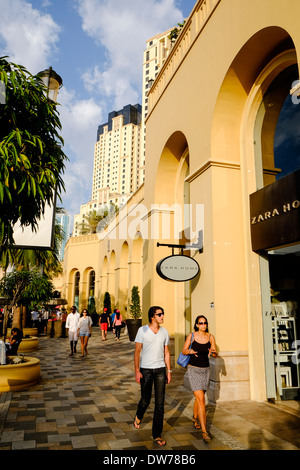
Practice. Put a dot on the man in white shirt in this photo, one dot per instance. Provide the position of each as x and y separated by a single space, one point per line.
152 365
35 318
72 325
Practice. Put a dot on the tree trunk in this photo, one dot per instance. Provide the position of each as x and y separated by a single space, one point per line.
6 312
17 318
24 309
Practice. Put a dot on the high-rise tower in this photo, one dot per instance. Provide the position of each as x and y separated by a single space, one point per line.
116 157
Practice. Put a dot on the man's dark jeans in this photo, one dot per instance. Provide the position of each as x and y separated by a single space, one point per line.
158 377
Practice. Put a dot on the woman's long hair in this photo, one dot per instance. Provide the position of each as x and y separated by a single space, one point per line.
196 323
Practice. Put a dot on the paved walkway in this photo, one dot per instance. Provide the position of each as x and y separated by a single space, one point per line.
89 403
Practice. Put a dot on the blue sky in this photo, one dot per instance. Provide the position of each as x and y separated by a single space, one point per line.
96 46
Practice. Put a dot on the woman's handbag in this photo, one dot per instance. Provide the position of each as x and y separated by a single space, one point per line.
184 359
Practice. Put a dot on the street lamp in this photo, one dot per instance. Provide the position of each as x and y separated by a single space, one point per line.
52 81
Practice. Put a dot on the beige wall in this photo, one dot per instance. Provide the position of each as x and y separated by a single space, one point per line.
204 105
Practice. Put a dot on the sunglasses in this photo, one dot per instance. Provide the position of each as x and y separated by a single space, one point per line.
202 323
159 314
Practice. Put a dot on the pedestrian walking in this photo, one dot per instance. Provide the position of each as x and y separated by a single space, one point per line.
52 321
117 324
35 317
72 326
63 322
104 323
152 366
84 330
199 345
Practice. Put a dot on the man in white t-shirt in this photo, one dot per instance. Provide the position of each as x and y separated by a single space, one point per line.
152 365
35 318
72 325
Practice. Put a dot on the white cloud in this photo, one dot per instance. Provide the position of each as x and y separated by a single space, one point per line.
28 36
31 37
80 119
123 29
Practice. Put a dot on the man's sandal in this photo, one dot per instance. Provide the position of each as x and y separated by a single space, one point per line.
137 422
161 442
205 436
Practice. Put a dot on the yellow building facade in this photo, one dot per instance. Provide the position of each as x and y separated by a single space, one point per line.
212 117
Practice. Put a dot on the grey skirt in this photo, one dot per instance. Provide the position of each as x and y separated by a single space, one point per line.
196 378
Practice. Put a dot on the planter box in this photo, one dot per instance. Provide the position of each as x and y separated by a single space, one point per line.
15 377
25 331
133 324
29 345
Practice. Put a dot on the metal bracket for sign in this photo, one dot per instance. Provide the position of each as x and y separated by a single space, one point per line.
194 246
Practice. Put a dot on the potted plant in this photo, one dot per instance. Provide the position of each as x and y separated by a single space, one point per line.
135 311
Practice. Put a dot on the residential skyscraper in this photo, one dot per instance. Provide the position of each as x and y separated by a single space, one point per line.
116 158
155 55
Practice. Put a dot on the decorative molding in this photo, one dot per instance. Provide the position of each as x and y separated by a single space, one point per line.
209 164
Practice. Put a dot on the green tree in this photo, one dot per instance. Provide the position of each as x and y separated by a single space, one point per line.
31 157
95 221
135 305
22 287
175 32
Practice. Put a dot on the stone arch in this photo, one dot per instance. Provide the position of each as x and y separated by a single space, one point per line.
171 195
104 280
85 286
135 262
242 165
70 286
111 278
242 75
76 290
122 279
171 189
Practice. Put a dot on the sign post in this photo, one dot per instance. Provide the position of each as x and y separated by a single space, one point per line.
180 268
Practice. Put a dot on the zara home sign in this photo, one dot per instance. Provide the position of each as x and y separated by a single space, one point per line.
275 214
177 268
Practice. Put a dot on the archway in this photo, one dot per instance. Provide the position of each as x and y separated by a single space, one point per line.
111 281
76 292
170 223
122 279
104 281
242 139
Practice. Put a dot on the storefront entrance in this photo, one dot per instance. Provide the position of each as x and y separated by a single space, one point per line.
284 272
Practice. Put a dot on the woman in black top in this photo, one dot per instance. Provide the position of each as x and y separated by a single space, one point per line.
13 344
203 345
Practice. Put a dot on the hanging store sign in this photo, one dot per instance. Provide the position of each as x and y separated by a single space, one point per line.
177 268
275 214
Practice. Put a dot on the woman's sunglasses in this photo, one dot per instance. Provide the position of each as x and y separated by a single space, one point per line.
202 323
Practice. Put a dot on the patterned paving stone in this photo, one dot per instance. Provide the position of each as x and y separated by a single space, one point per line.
89 403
